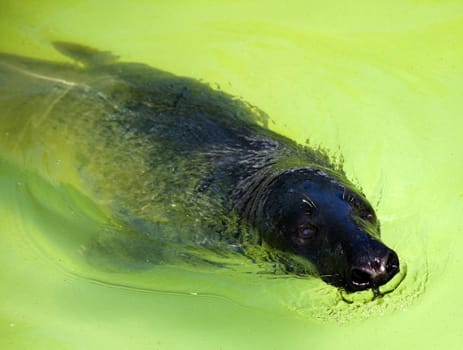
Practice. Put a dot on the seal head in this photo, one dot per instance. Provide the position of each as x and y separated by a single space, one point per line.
318 215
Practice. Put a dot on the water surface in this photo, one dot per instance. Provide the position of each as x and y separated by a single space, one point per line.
379 83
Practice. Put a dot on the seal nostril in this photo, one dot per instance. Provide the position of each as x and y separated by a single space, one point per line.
392 264
376 264
360 278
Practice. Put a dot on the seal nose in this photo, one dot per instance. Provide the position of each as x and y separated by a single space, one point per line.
375 272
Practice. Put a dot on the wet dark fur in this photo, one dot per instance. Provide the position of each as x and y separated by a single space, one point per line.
211 165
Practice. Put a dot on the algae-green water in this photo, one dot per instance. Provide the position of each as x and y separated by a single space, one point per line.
379 83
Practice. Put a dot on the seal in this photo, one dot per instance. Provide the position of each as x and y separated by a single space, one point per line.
187 168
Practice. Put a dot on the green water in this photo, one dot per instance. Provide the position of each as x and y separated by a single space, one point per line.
380 83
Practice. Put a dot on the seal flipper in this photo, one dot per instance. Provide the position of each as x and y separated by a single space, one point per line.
124 248
120 248
86 55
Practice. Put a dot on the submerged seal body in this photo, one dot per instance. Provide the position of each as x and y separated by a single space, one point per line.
186 166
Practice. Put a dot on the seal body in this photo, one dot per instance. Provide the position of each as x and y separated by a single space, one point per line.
184 166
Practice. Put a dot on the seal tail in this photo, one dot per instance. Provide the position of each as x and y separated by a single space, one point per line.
86 55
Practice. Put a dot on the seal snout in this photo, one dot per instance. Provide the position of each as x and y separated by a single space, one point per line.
375 272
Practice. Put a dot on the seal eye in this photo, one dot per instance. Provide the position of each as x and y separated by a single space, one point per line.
306 232
366 214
